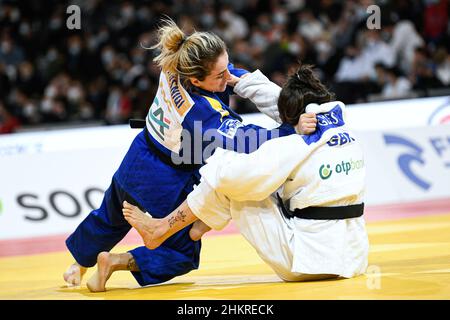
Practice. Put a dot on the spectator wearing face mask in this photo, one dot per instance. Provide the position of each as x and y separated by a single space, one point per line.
403 39
423 71
442 58
8 122
28 80
394 84
10 53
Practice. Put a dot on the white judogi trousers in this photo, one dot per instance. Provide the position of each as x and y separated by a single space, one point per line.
292 247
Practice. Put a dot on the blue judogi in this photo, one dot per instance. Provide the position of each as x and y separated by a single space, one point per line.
146 177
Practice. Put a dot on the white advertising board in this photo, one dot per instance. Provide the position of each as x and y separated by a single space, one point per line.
385 115
49 181
406 165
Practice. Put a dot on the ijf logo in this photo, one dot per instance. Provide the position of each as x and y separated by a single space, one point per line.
229 128
412 155
441 115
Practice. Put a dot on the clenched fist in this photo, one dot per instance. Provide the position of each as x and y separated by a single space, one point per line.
307 123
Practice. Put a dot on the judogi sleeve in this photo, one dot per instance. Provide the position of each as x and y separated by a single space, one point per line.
217 128
230 176
238 72
262 92
210 206
255 176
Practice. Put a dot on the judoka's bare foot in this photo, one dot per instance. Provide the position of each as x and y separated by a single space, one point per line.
199 228
107 263
153 231
74 274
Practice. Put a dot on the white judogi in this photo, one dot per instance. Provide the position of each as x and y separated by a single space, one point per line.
325 169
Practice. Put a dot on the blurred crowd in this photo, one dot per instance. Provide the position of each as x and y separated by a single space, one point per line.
102 72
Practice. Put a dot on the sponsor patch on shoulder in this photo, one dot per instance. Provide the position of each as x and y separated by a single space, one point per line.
229 128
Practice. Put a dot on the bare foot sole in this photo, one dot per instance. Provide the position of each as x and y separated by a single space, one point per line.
149 229
199 228
105 267
74 274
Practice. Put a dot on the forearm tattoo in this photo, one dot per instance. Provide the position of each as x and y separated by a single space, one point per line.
180 216
132 266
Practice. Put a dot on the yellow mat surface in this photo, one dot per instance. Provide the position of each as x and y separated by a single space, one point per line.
409 259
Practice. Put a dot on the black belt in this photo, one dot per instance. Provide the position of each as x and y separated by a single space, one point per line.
323 213
138 123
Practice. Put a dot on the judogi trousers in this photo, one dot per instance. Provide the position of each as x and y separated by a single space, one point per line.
296 249
143 180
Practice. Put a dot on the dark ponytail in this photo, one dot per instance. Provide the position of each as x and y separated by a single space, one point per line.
302 88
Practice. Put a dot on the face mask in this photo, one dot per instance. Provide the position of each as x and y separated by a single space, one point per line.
46 105
371 43
55 23
360 13
323 47
208 20
74 94
29 110
52 55
294 48
102 36
92 43
107 57
118 74
74 49
143 14
24 29
385 36
279 18
138 59
259 40
128 12
265 26
143 84
15 15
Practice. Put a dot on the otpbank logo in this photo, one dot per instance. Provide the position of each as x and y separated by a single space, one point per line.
1 207
326 170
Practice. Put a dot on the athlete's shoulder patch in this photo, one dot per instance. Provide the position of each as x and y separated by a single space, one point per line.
216 105
229 128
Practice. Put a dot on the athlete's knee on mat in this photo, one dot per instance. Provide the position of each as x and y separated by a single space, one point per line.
303 277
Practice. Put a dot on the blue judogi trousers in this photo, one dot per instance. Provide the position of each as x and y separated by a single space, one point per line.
145 181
